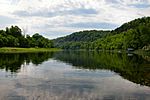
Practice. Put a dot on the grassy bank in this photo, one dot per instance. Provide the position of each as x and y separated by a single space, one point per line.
22 50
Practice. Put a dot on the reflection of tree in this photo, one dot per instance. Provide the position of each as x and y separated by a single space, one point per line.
133 68
13 62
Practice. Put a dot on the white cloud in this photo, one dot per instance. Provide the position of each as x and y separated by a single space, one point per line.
47 16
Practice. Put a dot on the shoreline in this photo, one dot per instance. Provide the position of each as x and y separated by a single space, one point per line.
26 50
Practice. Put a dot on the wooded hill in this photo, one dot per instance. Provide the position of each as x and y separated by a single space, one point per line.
79 40
134 34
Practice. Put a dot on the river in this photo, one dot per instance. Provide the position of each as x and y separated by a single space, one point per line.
74 75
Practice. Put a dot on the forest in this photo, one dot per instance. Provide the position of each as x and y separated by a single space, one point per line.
134 34
13 37
79 40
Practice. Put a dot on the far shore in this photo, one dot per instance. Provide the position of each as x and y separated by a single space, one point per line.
24 50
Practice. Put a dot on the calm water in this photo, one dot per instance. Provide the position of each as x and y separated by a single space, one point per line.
74 75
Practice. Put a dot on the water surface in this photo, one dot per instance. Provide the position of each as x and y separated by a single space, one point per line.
74 75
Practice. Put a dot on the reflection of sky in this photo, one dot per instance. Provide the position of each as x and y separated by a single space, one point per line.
57 80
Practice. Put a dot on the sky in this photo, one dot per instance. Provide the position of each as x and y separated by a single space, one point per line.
56 18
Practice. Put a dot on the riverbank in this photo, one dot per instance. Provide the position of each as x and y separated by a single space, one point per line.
15 49
23 50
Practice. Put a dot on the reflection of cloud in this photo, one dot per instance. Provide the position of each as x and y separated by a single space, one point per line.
56 80
80 88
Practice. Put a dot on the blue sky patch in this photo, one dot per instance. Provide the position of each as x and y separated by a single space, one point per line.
6 20
101 25
141 5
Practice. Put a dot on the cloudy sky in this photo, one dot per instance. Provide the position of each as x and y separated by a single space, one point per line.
55 18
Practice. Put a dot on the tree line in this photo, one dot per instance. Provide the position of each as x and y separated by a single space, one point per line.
13 37
134 34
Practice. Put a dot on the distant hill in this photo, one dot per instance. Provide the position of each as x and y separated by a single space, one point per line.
134 34
132 24
78 39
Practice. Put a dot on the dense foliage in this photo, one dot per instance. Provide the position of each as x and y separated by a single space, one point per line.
134 34
79 40
132 24
12 37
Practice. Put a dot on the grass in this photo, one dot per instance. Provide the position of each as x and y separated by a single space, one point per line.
23 50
